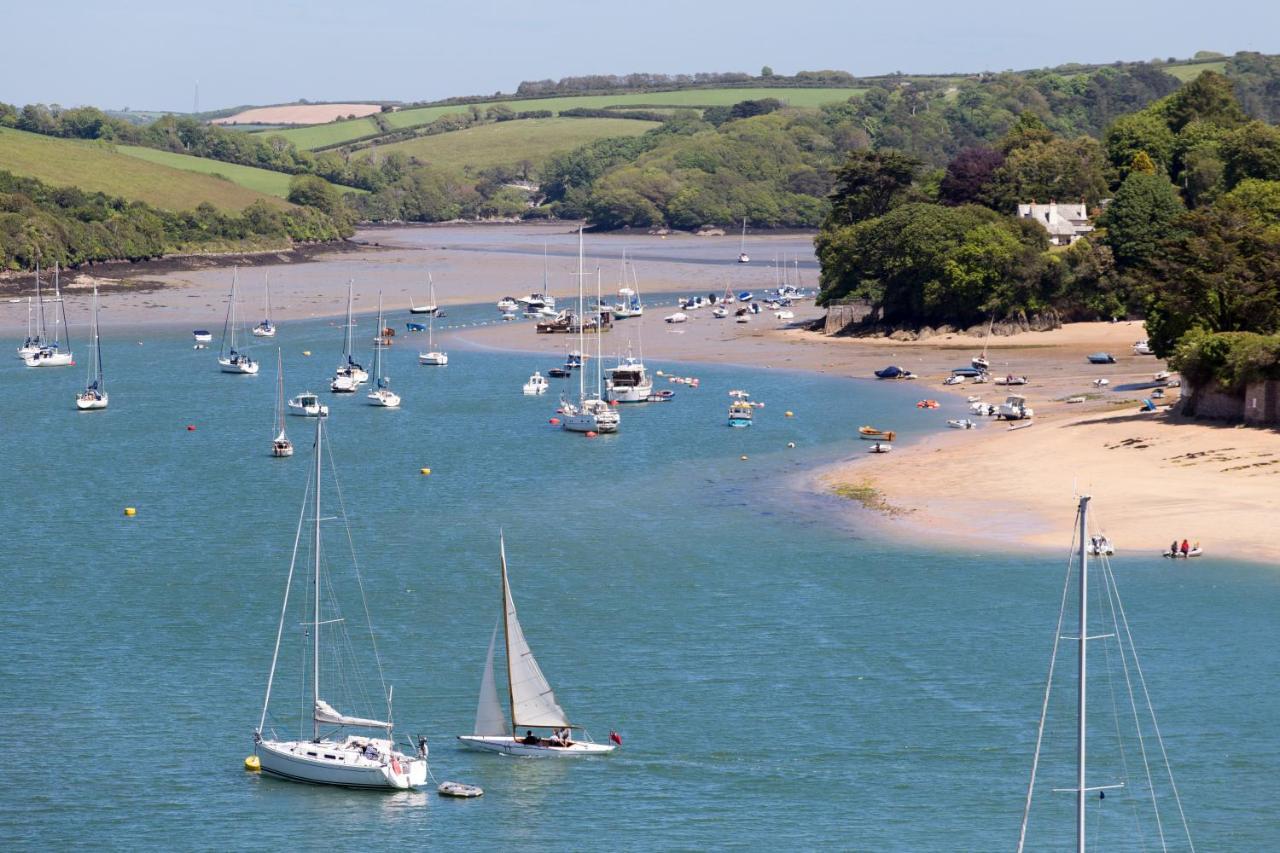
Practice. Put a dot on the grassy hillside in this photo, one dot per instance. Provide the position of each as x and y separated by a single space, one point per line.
509 142
1193 70
259 180
345 131
95 167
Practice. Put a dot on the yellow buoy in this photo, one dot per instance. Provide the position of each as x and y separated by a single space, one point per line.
306 352
789 414
130 511
425 471
744 457
252 764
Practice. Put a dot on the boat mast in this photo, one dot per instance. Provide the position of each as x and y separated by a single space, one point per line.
266 297
40 329
377 347
599 345
544 272
742 246
279 393
582 341
506 634
346 335
1081 720
95 366
315 628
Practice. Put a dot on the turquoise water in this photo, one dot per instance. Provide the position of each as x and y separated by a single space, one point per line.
778 678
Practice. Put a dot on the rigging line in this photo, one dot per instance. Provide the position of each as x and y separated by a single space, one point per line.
1142 680
1109 581
1048 686
1115 713
288 585
364 601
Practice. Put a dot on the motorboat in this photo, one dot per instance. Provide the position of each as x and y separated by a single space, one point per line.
1011 380
230 359
281 446
415 327
740 414
870 433
961 423
508 305
265 329
537 384
327 754
1100 545
1014 408
678 317
307 405
628 382
559 373
953 380
745 296
381 395
94 396
202 336
532 703
719 312
1142 347
1101 358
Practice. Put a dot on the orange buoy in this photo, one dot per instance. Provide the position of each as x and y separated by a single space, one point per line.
591 433
191 427
554 421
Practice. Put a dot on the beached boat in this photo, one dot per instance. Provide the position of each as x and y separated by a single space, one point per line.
870 433
1191 552
281 446
94 396
230 359
961 423
1142 347
1014 408
740 414
350 374
381 395
431 307
880 447
532 703
785 315
981 362
894 372
307 405
678 317
329 756
1100 801
265 329
1011 380
537 384
719 312
743 258
51 352
1101 358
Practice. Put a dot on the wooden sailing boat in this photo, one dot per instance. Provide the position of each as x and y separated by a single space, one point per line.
1142 789
94 395
324 758
532 703
281 446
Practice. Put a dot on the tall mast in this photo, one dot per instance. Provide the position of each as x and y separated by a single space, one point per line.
544 271
377 347
346 336
599 345
266 296
506 634
315 628
40 330
95 364
279 392
1081 720
582 341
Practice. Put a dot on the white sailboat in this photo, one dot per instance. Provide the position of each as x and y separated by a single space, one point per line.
431 307
432 356
35 323
589 413
981 362
742 246
231 360
331 756
51 353
1141 723
281 446
533 705
265 329
349 375
94 395
629 304
381 395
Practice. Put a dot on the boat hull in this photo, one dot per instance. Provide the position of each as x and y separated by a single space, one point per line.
505 745
588 422
631 393
87 403
433 359
384 399
245 368
302 761
57 359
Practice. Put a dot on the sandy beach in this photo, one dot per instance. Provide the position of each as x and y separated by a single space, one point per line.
1154 476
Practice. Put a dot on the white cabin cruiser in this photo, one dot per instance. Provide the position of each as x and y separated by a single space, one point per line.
307 405
537 384
628 382
1014 408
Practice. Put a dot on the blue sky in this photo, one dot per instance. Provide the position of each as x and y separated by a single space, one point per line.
148 54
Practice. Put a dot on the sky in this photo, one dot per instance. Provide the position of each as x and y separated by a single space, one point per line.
150 54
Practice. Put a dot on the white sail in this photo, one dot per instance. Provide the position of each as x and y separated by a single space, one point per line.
489 717
325 713
532 701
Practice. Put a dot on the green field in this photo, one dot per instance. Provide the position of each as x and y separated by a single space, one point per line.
344 131
1194 70
97 167
261 180
508 142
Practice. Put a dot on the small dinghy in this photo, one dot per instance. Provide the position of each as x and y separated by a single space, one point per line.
459 789
415 327
1102 358
879 447
870 433
961 423
1194 552
1011 380
662 396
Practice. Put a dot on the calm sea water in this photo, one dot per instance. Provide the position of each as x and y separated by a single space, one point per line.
778 679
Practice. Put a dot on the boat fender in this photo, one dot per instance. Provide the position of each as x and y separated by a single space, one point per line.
395 766
252 764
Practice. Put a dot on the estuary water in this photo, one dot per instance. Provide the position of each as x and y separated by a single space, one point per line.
779 679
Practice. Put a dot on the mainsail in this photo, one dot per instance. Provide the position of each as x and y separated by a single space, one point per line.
532 701
489 717
325 713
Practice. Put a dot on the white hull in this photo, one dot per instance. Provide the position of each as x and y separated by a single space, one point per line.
384 398
316 410
25 351
506 745
264 331
436 359
57 359
632 393
281 449
328 763
344 384
87 403
246 367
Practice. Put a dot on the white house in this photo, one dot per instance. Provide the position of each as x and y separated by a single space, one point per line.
1065 223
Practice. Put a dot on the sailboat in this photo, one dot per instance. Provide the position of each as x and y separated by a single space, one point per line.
629 290
381 395
432 356
431 307
35 323
51 353
265 329
281 446
349 374
980 361
532 703
94 395
327 757
589 413
1117 637
742 247
229 358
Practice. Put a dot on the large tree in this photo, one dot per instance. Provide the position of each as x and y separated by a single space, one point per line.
870 184
971 177
1140 216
